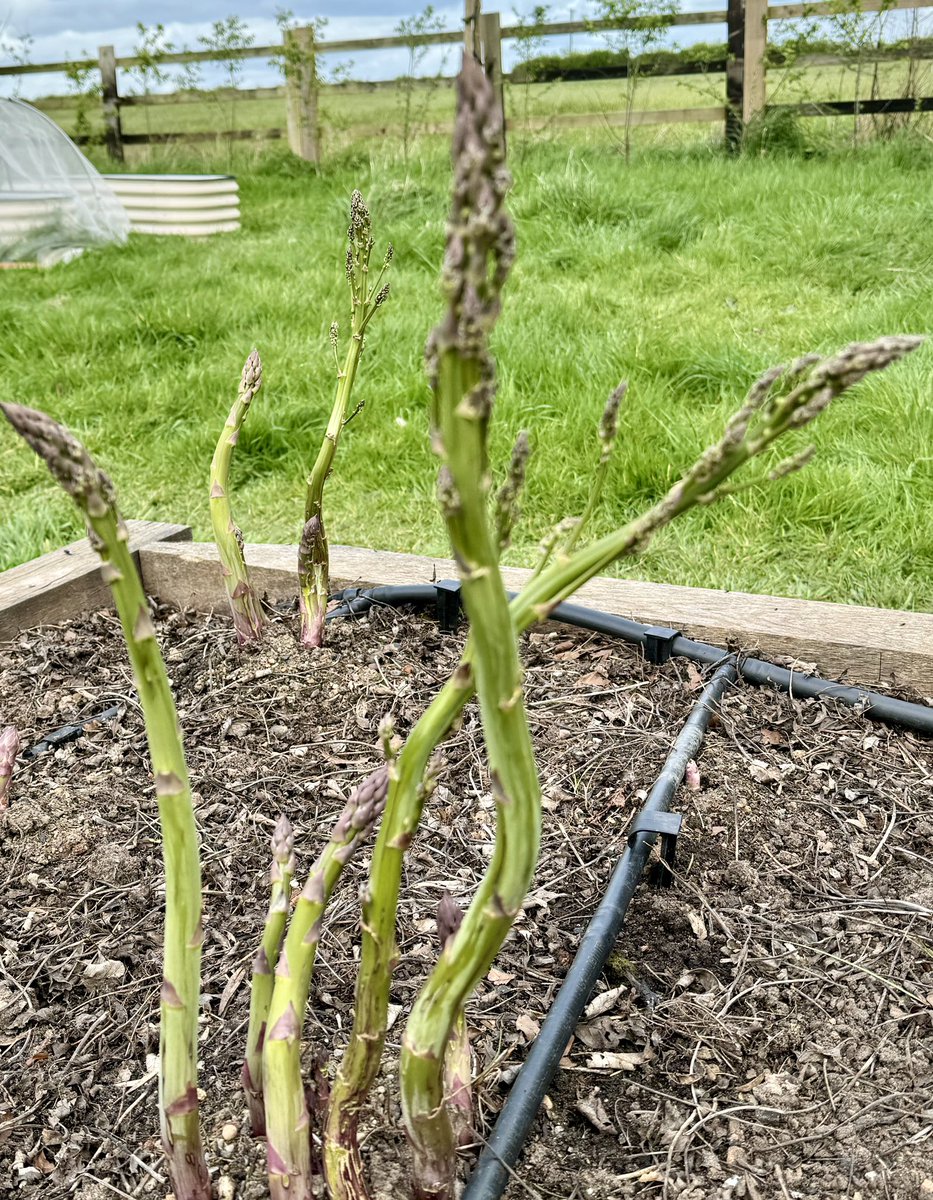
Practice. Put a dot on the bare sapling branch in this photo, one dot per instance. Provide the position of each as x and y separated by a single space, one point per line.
9 752
366 295
267 956
94 494
244 603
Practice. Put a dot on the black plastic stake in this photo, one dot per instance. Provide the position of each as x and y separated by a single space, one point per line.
659 643
448 604
501 1152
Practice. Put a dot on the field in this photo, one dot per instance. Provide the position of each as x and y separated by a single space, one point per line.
686 273
352 111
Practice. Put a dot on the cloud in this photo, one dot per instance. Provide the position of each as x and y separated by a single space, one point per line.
85 22
59 31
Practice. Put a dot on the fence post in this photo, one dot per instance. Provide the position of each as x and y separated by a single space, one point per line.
756 44
472 15
490 45
110 98
301 93
735 74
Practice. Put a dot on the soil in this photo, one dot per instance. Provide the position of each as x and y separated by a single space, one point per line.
764 1028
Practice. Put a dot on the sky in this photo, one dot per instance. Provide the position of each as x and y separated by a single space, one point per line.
62 29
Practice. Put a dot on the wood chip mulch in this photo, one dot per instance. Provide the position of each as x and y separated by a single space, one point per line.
763 1029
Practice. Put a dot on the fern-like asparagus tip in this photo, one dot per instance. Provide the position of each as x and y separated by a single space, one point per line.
65 456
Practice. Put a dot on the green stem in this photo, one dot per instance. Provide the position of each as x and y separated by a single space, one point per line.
288 1133
360 1064
244 603
71 465
365 297
461 411
458 1066
280 878
313 551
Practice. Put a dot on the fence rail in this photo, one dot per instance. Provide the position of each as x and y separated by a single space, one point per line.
745 96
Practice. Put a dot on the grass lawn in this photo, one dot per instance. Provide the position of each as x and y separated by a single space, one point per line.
686 273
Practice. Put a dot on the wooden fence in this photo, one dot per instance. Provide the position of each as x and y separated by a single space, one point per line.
744 99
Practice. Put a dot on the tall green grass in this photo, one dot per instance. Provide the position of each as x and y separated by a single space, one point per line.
687 273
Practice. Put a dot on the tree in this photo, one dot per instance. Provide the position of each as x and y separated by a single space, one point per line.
642 24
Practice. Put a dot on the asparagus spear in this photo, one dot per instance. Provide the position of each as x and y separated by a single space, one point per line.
365 297
566 533
507 513
244 603
762 420
288 1135
280 878
480 251
9 749
92 491
458 1067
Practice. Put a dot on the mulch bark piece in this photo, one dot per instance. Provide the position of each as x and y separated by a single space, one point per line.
763 1029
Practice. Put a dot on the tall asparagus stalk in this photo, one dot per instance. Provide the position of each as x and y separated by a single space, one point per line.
480 251
244 603
288 1133
9 750
366 296
810 384
280 878
94 494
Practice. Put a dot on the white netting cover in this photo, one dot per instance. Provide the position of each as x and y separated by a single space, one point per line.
53 203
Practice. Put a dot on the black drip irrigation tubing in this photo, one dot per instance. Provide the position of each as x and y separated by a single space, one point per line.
501 1152
659 645
655 820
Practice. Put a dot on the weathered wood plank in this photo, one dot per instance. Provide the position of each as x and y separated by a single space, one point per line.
110 99
829 8
67 582
867 645
754 90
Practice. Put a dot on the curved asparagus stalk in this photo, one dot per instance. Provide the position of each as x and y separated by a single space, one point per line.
244 603
280 878
357 1070
480 251
9 750
701 484
814 384
366 296
288 1133
458 1066
94 494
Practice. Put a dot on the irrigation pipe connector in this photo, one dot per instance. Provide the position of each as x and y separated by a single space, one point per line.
501 1152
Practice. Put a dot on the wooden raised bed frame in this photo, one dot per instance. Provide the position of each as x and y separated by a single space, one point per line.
866 646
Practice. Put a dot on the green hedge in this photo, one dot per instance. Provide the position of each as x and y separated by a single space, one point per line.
614 64
607 64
